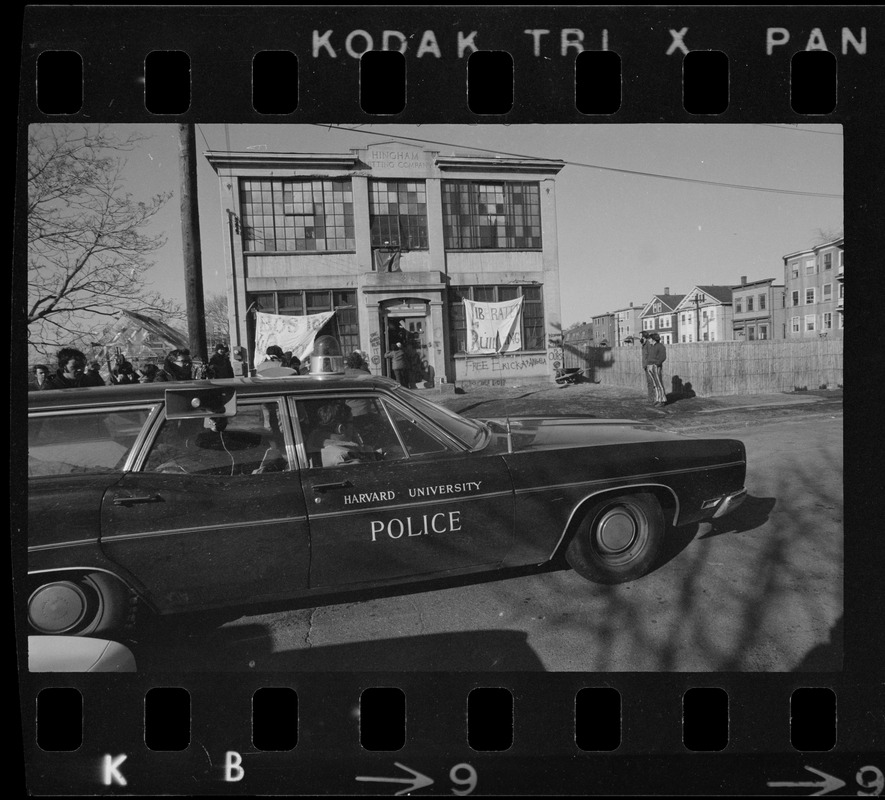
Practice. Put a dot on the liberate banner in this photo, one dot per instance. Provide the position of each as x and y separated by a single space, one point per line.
493 327
289 333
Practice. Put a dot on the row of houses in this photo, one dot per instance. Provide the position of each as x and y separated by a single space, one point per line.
807 304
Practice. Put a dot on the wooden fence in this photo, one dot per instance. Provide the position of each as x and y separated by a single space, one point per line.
719 367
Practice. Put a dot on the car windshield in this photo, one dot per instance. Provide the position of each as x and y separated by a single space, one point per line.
471 432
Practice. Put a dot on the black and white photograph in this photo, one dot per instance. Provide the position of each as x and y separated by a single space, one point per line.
396 432
525 397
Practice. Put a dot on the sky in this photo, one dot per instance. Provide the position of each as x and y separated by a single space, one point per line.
622 237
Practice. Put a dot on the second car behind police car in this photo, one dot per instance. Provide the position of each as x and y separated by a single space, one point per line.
210 494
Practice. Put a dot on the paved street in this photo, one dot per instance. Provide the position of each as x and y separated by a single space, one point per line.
760 590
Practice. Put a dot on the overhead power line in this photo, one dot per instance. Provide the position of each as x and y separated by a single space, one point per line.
583 165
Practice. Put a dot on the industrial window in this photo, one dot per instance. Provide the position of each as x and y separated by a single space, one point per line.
398 214
532 312
344 326
494 216
297 215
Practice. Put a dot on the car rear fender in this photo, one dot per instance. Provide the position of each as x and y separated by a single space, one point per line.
132 586
664 494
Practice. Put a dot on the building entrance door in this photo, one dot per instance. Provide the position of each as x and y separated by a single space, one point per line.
406 324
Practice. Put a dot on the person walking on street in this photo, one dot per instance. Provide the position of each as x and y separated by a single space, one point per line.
657 355
399 364
71 373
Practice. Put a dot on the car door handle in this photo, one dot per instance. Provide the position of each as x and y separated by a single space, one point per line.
325 487
137 498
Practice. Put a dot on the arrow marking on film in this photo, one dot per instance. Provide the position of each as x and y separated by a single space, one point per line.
418 781
829 783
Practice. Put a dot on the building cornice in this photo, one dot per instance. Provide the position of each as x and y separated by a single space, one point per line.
294 161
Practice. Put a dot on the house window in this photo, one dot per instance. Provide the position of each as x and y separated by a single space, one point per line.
841 291
738 307
706 337
398 214
763 331
683 337
344 325
841 319
810 267
809 296
495 216
683 322
827 321
795 298
794 324
532 312
666 321
828 291
751 333
841 264
762 302
657 308
297 215
749 304
794 269
828 260
810 322
648 324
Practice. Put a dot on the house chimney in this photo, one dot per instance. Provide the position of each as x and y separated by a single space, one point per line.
743 280
666 290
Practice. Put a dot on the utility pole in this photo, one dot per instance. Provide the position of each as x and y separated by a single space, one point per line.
190 240
697 316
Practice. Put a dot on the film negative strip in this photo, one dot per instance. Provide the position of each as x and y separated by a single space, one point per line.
387 164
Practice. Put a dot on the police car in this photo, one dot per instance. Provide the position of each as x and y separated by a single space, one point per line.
176 497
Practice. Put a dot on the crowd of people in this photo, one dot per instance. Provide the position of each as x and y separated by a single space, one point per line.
75 370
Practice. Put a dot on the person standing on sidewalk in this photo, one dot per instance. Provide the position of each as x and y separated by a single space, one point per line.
656 356
645 343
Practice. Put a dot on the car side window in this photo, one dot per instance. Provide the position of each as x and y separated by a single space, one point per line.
418 442
250 443
91 442
351 430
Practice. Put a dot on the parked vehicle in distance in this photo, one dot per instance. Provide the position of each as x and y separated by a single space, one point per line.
208 494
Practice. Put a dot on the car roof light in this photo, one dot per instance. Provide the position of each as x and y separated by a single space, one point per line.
326 358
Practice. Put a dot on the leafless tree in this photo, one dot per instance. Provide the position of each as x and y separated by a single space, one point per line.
217 324
88 245
824 235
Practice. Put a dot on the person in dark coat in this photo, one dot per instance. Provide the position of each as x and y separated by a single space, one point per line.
177 366
657 355
399 364
219 363
645 343
71 373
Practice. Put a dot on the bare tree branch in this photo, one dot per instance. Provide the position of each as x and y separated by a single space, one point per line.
88 246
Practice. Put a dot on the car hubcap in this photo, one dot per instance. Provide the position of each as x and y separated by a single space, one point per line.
57 607
617 531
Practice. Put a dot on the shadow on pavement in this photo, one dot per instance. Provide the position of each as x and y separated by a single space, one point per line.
826 657
247 648
752 513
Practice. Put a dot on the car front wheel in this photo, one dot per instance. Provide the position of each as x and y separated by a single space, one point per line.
83 605
619 539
